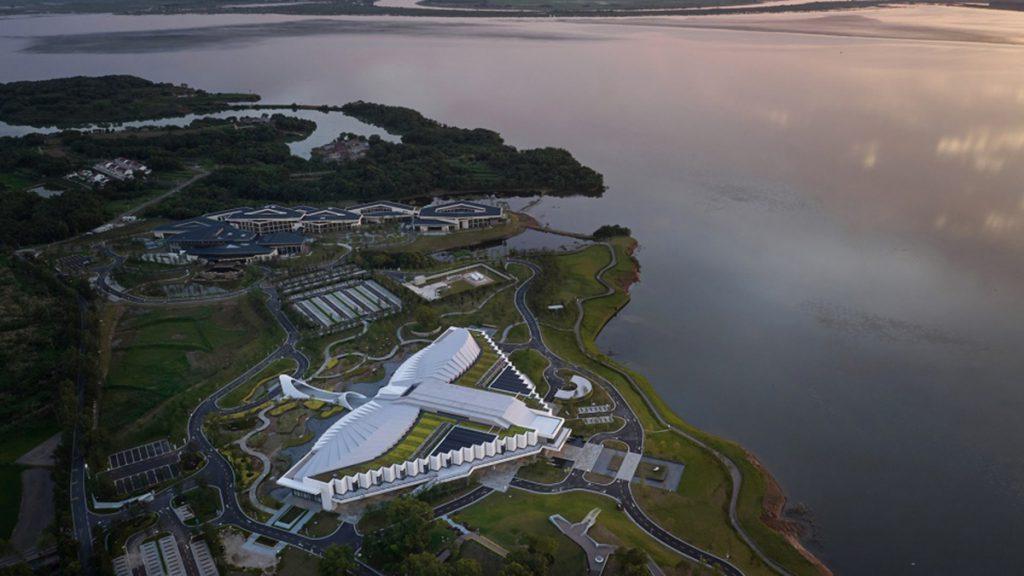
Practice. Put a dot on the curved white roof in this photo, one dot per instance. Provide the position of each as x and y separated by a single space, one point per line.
359 436
423 382
444 360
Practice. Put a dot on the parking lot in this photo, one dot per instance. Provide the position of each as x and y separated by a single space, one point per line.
143 466
150 477
138 454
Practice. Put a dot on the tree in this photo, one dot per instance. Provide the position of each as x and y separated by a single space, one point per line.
426 317
406 532
423 564
19 569
466 567
632 562
515 569
611 231
337 561
537 556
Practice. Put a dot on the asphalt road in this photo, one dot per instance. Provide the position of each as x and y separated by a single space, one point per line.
631 434
104 285
79 503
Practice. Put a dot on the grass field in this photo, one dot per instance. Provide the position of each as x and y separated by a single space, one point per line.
506 518
164 361
543 471
519 334
250 390
490 563
532 363
696 511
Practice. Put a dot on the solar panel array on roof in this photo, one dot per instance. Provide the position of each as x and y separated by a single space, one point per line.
510 381
460 437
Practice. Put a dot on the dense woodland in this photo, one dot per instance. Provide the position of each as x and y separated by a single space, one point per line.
39 336
250 163
28 219
431 159
83 100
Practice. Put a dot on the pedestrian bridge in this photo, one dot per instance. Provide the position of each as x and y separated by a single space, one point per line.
299 389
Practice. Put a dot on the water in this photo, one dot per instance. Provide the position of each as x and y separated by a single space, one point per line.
829 209
328 126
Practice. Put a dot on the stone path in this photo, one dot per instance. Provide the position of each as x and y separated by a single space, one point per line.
264 461
587 457
628 467
597 553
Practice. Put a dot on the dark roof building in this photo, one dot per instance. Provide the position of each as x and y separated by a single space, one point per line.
461 209
285 243
270 218
433 225
211 233
327 219
181 226
232 253
462 214
382 210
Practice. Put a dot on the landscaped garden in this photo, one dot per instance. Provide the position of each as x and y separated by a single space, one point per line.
509 518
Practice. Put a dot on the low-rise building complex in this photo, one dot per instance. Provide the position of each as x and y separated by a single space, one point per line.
427 425
239 233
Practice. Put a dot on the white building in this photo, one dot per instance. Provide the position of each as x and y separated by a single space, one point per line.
486 427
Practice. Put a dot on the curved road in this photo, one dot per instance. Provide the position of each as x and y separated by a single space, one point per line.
631 434
736 476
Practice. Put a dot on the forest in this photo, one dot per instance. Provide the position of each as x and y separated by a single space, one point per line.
81 100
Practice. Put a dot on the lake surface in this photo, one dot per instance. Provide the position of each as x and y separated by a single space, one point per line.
830 208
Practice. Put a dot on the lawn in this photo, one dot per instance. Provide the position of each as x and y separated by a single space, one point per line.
490 563
506 518
165 361
543 471
296 562
204 501
573 277
248 391
533 364
322 524
519 334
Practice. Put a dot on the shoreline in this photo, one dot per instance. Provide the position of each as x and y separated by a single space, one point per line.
526 13
772 501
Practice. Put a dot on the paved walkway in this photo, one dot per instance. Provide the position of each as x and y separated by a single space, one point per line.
243 443
587 456
628 467
597 553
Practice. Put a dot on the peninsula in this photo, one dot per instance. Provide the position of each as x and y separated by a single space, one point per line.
271 362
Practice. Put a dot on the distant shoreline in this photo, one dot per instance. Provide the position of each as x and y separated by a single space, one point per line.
438 8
